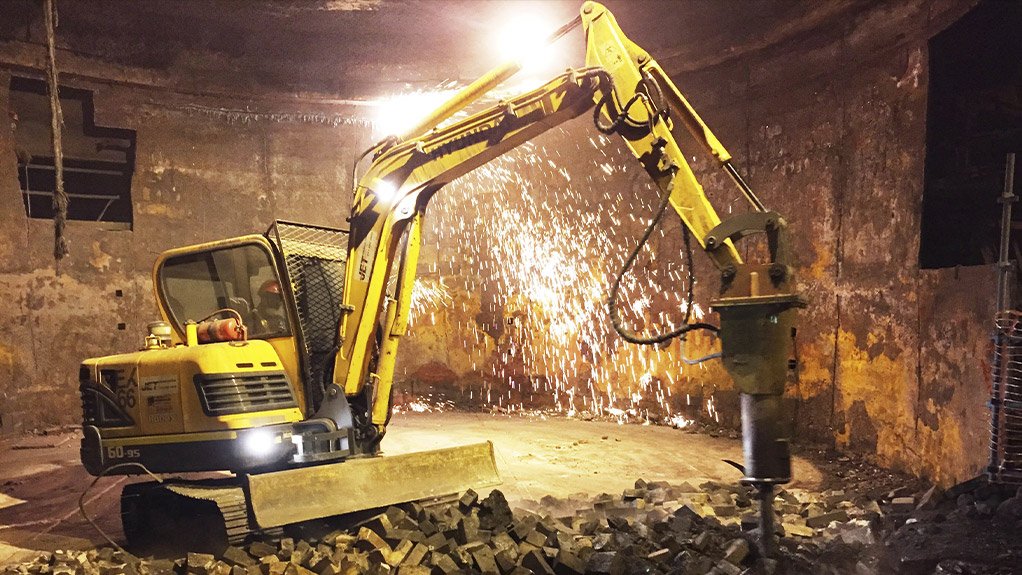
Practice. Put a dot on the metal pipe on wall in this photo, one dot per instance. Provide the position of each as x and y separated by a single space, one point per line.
1004 264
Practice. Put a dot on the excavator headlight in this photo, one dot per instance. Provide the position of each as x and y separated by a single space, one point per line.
259 442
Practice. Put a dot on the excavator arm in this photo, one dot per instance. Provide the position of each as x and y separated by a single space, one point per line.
634 98
390 199
404 175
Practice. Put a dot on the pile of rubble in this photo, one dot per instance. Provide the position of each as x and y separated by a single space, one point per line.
971 528
653 528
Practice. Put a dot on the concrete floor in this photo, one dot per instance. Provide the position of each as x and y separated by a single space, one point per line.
41 478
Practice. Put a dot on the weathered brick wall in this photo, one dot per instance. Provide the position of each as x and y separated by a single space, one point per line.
834 125
199 176
830 128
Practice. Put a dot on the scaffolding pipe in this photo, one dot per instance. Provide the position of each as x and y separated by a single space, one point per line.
1004 264
997 470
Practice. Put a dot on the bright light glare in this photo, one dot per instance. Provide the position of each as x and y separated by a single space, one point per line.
259 442
397 114
384 190
523 38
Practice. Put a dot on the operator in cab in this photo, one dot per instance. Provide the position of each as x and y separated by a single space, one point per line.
269 312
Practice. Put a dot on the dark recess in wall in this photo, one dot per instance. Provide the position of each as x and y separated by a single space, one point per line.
98 161
974 118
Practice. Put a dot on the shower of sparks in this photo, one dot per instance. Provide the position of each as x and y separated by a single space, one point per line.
679 421
711 409
526 250
428 294
427 404
419 407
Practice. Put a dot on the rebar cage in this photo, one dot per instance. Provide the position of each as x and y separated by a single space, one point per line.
1006 400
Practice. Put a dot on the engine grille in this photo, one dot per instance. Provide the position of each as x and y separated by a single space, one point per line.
1006 400
229 393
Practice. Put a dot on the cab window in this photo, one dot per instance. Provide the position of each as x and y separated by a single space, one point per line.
240 278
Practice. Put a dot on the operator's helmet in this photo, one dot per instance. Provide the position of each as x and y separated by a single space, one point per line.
269 293
270 287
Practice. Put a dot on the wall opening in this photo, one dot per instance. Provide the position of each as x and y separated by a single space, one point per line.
98 161
974 118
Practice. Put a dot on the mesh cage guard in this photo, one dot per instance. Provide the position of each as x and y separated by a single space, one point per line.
313 263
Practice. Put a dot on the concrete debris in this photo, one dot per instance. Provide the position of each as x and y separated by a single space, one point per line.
856 531
825 519
931 498
737 551
797 530
654 527
903 504
978 520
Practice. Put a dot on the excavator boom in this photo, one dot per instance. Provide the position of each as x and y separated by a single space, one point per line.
635 99
621 81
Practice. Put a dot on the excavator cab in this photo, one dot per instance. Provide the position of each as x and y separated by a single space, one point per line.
240 278
284 287
238 378
236 384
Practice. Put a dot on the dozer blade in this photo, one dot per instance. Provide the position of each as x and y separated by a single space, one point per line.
295 495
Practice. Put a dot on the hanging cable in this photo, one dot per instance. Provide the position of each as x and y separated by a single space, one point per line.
656 114
81 500
690 295
615 316
698 360
60 199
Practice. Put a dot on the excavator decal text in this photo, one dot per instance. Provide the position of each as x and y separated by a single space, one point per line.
368 255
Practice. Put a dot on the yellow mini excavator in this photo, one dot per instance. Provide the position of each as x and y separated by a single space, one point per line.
276 355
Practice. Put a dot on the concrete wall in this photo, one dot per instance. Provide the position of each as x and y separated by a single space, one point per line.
828 124
200 175
830 128
834 128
